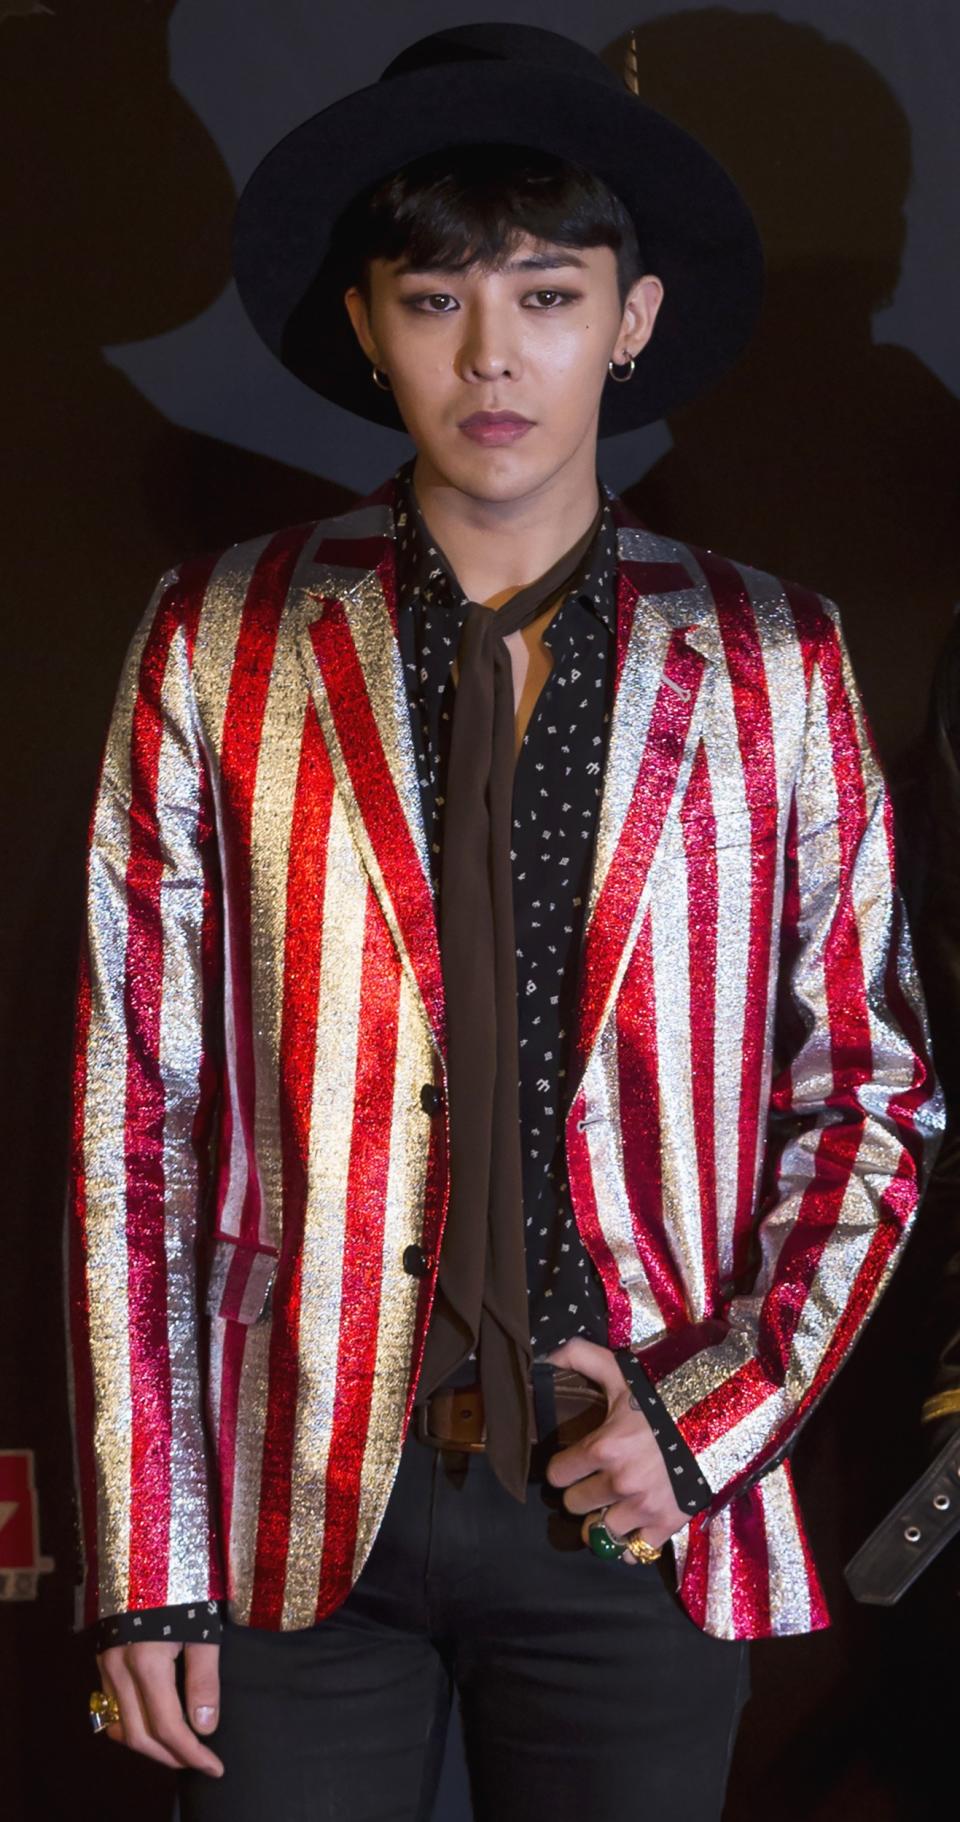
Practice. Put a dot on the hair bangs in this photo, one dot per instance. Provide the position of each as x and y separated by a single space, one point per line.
469 206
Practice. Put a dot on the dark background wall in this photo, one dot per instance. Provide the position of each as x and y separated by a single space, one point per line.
143 421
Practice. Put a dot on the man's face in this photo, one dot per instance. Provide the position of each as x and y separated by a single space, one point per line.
533 338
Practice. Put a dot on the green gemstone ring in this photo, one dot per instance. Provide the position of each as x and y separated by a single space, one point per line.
603 1543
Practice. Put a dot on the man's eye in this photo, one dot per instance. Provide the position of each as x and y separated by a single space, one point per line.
432 297
565 297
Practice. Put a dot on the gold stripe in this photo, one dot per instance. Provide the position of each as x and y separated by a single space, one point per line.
670 949
718 1619
214 655
331 1126
729 803
786 1564
252 1396
942 1404
271 821
399 1292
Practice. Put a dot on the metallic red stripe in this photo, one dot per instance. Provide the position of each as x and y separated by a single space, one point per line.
145 1113
626 875
303 949
749 1567
366 1198
696 1570
240 752
619 1319
789 1025
83 1396
383 813
754 720
819 1611
711 1417
231 1372
639 1093
697 819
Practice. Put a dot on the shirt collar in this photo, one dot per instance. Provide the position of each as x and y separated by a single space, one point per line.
422 569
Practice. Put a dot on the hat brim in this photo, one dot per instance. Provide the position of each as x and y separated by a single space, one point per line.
694 228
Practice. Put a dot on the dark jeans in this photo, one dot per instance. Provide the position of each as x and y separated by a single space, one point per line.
586 1693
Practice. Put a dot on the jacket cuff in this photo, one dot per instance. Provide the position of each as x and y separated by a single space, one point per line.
690 1487
192 1623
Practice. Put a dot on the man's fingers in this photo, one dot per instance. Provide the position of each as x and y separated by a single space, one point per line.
593 1361
133 1730
202 1686
589 1494
155 1676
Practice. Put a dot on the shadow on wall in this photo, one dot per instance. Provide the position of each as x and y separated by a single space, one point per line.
831 458
116 209
826 456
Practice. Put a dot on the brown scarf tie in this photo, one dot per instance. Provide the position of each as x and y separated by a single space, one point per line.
482 1288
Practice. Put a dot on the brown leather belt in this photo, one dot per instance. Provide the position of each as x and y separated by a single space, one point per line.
564 1406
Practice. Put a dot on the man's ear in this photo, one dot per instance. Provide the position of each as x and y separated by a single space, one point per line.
640 312
356 307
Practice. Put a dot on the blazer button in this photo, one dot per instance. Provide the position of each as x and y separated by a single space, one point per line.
416 1261
431 1098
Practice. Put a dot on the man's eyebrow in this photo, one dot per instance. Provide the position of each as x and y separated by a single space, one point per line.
531 262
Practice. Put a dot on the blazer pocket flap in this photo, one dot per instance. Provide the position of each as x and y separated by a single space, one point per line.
241 1278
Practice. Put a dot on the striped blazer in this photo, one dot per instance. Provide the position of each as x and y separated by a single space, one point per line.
261 1009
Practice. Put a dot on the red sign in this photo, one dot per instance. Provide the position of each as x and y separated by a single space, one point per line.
20 1558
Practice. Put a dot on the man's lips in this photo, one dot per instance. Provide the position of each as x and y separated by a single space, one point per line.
495 426
493 417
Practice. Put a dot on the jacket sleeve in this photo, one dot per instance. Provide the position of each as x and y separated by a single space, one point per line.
145 1076
854 1113
198 1624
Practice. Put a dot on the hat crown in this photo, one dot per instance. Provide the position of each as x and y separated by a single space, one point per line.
500 41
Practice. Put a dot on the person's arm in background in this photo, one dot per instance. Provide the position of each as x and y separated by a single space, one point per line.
145 1079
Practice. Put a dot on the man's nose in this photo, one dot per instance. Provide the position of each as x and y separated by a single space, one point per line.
487 351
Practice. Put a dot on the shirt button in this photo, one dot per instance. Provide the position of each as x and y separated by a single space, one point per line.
431 1098
416 1261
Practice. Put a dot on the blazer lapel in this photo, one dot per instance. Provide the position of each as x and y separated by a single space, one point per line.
667 644
348 646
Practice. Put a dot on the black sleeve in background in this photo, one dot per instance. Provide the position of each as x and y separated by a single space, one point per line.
690 1489
193 1623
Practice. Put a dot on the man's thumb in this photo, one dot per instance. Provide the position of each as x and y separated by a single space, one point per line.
202 1686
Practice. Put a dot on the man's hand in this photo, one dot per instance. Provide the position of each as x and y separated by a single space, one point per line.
143 1680
619 1465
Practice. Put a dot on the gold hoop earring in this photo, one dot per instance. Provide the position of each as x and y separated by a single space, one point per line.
621 378
384 383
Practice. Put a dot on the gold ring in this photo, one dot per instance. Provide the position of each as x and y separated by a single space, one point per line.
104 1710
638 1547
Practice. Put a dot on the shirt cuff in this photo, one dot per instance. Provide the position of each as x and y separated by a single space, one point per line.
193 1623
690 1488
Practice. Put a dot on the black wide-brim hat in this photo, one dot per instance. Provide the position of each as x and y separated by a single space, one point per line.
500 84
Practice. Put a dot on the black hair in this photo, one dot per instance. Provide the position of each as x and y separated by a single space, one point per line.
469 205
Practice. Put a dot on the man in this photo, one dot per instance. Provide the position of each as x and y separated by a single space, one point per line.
498 1014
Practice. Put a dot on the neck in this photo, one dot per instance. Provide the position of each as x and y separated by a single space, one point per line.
496 547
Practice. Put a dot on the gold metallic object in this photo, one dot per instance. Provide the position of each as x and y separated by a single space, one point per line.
638 1547
622 378
384 382
942 1404
104 1710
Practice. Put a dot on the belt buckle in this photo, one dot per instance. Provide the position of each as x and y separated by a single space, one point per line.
458 1446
